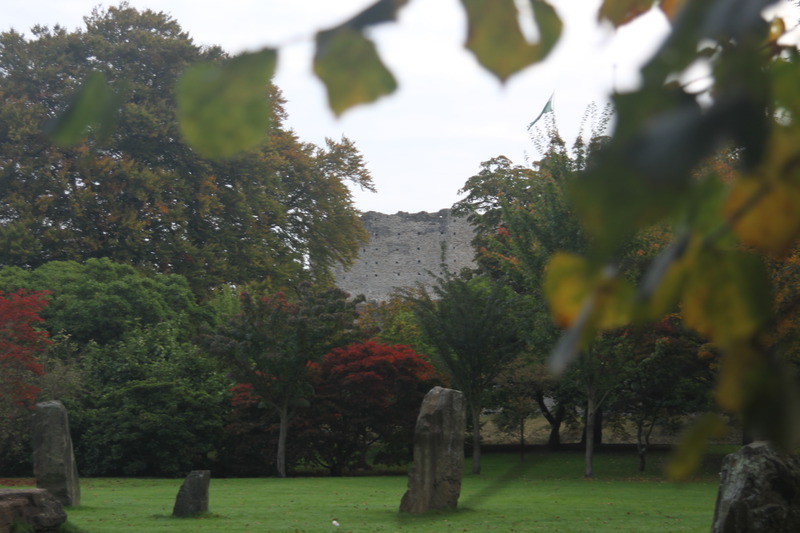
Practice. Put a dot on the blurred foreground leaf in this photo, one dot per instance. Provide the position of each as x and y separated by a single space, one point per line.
93 106
727 296
770 220
347 62
585 301
349 66
687 455
495 37
225 109
620 12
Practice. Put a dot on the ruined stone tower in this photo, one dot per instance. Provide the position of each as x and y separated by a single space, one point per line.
404 249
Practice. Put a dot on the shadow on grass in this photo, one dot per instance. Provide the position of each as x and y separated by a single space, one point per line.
470 503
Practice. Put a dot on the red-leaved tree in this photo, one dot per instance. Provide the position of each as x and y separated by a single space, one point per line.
20 342
366 394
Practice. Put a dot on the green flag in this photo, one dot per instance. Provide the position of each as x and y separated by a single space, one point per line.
548 108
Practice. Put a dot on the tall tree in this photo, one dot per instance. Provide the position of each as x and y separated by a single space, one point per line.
272 342
472 325
280 211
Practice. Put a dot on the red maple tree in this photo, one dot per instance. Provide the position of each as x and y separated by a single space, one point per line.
367 393
20 342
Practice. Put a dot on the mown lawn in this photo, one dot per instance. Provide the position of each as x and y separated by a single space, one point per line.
545 493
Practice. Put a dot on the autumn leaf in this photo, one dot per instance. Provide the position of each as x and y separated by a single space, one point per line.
727 296
671 8
224 109
495 38
567 285
768 214
620 12
349 66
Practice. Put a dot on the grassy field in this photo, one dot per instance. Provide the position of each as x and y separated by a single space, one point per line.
545 493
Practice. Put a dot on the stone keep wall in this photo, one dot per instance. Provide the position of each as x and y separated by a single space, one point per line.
403 249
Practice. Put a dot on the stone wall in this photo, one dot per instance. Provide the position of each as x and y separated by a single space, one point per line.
404 249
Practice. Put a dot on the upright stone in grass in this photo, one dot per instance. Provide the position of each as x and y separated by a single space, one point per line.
434 481
53 458
192 497
759 491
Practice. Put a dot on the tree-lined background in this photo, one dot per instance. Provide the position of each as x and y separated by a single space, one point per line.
167 246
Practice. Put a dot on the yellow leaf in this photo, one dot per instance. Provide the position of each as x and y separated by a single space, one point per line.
726 296
777 29
225 109
349 66
571 284
620 12
614 297
567 284
765 215
495 38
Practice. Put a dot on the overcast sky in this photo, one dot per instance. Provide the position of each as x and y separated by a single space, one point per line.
423 142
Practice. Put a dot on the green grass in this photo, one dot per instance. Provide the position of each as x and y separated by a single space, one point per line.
546 493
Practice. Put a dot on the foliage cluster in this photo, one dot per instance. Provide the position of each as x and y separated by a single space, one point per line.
136 192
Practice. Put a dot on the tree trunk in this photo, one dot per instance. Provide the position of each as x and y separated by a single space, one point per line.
283 413
641 448
476 440
588 471
597 426
522 439
554 419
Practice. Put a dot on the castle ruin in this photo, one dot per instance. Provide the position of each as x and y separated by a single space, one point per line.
406 250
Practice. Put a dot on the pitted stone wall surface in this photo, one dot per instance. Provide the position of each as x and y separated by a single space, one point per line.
404 249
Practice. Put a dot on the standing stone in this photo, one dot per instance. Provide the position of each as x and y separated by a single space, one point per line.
759 491
192 497
53 459
30 510
434 481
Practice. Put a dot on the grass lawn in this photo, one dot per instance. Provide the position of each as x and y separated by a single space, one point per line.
545 493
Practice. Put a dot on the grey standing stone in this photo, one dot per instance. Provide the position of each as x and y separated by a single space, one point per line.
30 509
759 491
53 458
192 497
434 481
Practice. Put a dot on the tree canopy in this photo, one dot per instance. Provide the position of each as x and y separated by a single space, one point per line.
133 190
273 340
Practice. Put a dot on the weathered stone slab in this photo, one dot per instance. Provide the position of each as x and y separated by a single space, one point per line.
434 481
53 458
192 497
759 491
35 508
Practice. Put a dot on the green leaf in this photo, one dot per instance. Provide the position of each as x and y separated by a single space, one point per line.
95 104
349 66
378 13
225 109
727 296
690 449
495 38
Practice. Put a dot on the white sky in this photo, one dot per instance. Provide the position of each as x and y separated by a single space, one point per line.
424 141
